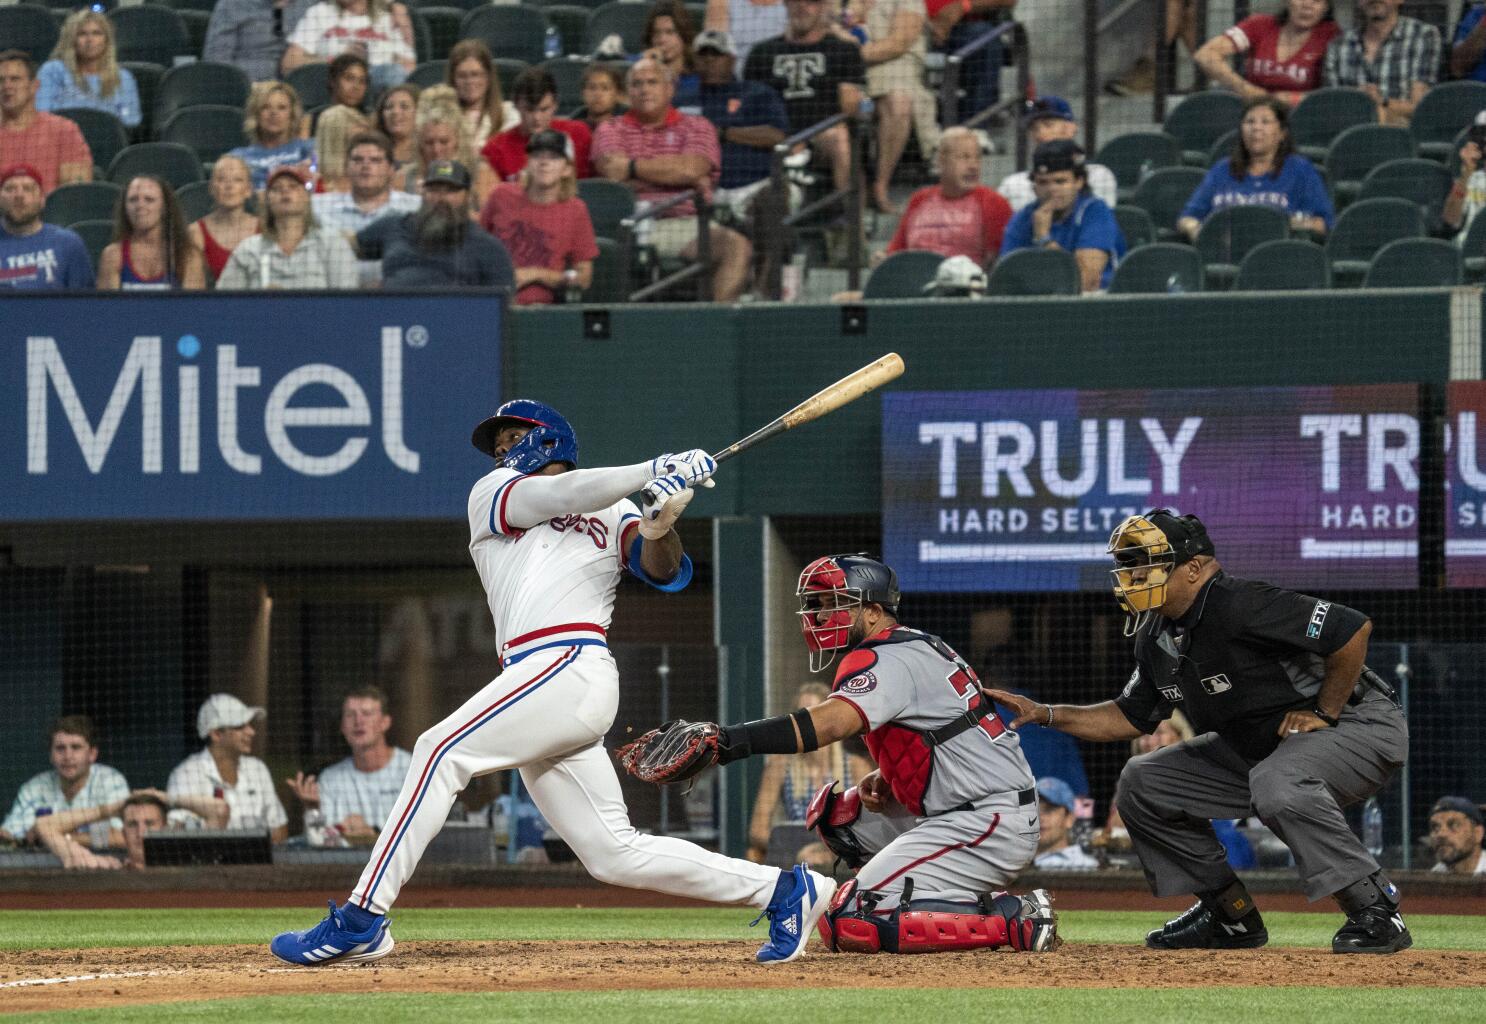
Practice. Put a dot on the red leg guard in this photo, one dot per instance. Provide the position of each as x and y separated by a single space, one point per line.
857 935
933 931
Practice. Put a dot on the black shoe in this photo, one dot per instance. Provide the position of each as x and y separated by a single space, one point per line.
1375 929
1201 928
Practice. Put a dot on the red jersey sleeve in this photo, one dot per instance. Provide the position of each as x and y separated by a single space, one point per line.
1253 28
900 237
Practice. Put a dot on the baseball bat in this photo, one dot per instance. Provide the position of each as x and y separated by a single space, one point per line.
827 400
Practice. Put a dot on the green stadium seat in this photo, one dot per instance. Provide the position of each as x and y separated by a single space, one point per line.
172 161
1229 234
1163 194
104 133
1035 272
903 275
197 24
198 84
1134 155
1323 114
462 5
96 235
1416 263
1135 224
422 36
1358 150
622 18
509 31
571 22
506 69
1365 227
1200 120
567 72
610 275
209 130
30 28
151 33
1442 113
82 200
1163 267
608 204
430 72
195 199
147 78
1223 148
312 83
1284 265
1426 182
443 23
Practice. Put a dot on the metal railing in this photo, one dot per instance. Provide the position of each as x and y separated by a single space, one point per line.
850 199
702 268
1015 37
1164 67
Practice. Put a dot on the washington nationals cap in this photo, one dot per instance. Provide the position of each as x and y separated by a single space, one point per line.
447 172
1058 155
550 140
1458 803
714 41
25 170
1055 792
1045 107
224 711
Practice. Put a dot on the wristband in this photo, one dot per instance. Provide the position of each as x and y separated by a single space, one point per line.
767 736
1323 716
1042 240
1049 716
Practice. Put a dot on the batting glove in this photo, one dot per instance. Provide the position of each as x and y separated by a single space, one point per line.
671 498
695 467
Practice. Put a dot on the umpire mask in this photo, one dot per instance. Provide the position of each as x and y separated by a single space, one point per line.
1146 549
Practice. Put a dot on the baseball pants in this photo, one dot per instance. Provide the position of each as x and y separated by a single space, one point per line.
1169 797
547 715
955 856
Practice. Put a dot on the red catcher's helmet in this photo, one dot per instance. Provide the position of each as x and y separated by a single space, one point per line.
830 588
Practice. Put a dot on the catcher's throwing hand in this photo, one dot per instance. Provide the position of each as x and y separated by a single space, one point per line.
1026 709
874 791
677 751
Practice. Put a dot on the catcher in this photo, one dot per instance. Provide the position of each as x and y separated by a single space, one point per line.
950 813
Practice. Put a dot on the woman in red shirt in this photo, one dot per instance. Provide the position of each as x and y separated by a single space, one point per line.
1283 53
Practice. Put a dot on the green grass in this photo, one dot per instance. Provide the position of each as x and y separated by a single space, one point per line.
933 1006
50 929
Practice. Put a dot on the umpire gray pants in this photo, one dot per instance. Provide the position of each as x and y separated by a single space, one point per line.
1169 797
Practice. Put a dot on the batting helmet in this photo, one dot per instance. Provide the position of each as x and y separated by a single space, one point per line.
551 438
1147 548
830 588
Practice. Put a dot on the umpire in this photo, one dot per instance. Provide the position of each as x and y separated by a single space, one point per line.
1288 722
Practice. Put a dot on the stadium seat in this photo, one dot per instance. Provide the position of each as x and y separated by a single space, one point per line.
567 72
589 4
443 28
82 200
189 5
1228 235
610 276
209 130
1223 148
147 79
204 82
1035 272
506 69
1425 182
197 23
422 36
509 31
1323 114
571 22
30 28
1135 155
903 275
608 203
430 72
1473 248
1135 224
96 234
621 17
1164 267
104 133
1284 265
195 199
312 83
1358 150
462 5
151 33
1200 120
1416 263
172 161
1163 194
1365 227
1445 109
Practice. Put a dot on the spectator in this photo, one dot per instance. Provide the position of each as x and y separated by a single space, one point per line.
667 38
1468 54
349 79
356 794
229 221
818 74
271 118
35 255
151 250
292 251
84 73
379 32
338 126
957 23
1169 733
1047 119
252 34
789 781
371 197
602 87
142 812
1067 216
750 120
444 135
894 56
534 92
749 22
959 216
1455 833
1391 58
471 74
397 118
225 768
52 145
1283 52
542 222
1263 170
660 152
1468 195
438 246
1057 811
76 780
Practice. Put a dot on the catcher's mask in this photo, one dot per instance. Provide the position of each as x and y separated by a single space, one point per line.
1146 549
830 589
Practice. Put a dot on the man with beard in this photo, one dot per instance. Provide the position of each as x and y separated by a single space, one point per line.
439 246
1391 58
35 255
1455 834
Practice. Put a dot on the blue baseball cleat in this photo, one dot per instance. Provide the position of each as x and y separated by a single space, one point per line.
333 942
799 900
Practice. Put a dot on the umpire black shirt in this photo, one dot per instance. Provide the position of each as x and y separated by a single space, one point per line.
1242 656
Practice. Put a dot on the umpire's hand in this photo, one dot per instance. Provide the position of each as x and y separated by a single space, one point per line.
1297 722
1024 708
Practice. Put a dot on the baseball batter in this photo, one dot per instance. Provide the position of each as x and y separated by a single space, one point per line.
550 542
1292 728
950 813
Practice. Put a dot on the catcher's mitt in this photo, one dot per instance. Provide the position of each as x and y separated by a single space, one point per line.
679 750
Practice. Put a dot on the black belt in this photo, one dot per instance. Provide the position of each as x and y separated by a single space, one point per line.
1023 798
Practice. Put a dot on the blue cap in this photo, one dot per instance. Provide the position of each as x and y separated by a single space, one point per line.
1055 791
1048 106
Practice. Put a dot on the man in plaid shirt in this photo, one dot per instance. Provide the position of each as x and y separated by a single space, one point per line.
1391 58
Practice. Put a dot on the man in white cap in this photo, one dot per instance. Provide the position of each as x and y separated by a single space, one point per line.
225 769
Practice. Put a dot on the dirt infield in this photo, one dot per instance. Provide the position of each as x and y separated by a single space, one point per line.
133 976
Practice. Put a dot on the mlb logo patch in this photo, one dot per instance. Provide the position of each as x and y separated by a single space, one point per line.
1217 684
1318 618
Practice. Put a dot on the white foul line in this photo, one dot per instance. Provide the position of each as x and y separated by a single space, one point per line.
28 982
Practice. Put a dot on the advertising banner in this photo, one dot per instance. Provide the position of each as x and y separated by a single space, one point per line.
1465 513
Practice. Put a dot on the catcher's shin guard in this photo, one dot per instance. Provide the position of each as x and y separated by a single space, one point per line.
1023 923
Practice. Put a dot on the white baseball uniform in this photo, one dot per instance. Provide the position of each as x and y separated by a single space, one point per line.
550 550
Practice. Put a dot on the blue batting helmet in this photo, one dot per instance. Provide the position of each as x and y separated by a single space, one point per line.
551 438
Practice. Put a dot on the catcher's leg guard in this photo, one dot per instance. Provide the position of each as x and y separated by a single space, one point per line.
1023 923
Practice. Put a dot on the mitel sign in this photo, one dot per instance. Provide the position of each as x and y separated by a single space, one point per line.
245 406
